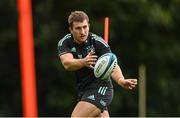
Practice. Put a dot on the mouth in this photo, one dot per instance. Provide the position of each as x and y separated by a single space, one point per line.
83 36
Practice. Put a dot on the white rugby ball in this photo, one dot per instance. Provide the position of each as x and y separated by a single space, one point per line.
105 65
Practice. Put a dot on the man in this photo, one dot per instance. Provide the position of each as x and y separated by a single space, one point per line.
78 52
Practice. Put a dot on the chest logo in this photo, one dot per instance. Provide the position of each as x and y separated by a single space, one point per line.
90 49
80 56
73 49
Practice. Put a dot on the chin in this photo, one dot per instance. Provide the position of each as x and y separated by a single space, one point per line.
83 39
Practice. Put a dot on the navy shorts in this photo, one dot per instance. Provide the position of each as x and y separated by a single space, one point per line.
100 95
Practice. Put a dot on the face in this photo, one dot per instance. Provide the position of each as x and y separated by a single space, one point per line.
80 31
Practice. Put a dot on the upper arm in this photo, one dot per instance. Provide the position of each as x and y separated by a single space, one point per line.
66 58
117 73
64 50
64 45
70 63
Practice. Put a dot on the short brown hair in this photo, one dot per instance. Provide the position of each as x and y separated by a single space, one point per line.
78 16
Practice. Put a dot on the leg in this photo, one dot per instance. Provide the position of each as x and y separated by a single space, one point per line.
85 109
105 114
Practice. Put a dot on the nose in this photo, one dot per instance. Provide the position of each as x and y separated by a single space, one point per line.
83 31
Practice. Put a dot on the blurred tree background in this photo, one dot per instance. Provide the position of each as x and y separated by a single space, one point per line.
141 32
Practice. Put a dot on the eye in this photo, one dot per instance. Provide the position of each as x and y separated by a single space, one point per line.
78 28
84 27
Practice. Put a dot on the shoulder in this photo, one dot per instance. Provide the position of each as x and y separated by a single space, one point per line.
95 36
99 39
66 38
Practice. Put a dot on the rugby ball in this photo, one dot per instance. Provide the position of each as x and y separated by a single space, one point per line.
105 65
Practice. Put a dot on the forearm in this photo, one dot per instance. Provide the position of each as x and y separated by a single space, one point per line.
117 75
74 64
119 78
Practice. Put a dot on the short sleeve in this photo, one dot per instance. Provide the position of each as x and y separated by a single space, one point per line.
101 46
64 46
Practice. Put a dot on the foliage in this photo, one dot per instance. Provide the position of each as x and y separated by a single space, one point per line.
141 31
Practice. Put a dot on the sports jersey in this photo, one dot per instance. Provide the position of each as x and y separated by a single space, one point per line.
95 44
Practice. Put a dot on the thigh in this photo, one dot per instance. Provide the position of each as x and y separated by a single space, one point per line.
100 96
85 109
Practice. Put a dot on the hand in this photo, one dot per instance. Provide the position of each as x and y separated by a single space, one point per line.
90 60
128 83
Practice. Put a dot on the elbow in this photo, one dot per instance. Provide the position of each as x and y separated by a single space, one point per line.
67 66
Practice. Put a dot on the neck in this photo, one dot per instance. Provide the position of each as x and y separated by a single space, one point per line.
78 42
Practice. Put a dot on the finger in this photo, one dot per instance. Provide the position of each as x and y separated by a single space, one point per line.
130 87
93 56
133 85
91 63
129 82
134 81
91 66
91 53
